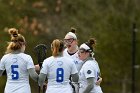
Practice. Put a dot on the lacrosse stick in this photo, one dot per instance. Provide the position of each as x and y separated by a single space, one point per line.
41 51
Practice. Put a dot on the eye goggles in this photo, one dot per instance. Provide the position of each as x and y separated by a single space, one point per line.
69 41
82 50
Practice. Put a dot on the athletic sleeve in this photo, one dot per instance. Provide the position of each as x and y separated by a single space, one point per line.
89 71
33 74
2 66
30 63
44 68
74 69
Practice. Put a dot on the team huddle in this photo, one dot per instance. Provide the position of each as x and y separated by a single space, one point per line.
70 69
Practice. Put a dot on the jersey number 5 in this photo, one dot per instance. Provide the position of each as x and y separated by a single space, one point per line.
15 74
59 74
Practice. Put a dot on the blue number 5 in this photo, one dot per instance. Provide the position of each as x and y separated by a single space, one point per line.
59 74
15 74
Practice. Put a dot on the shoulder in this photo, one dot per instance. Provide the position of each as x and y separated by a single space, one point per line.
5 57
95 62
89 63
48 60
26 56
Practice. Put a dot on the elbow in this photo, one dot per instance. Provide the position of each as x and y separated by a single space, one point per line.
33 74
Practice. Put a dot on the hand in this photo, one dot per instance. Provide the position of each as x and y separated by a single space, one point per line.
37 68
44 87
99 81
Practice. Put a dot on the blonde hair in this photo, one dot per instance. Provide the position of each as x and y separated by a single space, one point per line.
57 47
17 40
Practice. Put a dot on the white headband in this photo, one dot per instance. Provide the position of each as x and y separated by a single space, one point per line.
84 46
71 34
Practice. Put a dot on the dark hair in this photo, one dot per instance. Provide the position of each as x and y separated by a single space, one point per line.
17 40
73 30
91 43
57 47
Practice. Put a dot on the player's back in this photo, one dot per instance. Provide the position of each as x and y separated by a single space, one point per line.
16 66
59 70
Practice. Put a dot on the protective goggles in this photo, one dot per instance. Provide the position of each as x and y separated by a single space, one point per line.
69 41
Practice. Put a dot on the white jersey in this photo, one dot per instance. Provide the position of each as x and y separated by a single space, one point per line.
89 69
58 71
16 66
75 57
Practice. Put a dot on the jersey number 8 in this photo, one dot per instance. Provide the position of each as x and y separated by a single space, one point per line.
59 74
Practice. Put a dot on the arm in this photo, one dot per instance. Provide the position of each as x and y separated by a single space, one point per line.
90 85
75 77
33 74
1 72
41 79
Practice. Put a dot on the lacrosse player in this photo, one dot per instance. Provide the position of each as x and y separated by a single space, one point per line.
71 51
18 65
90 72
57 69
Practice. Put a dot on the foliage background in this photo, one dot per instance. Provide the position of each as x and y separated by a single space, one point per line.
109 21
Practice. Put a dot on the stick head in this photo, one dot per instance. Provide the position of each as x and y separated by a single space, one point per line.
41 51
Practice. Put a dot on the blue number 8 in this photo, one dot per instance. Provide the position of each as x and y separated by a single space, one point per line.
15 74
59 74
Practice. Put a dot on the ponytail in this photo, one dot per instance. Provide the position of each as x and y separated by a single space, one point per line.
17 40
57 47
